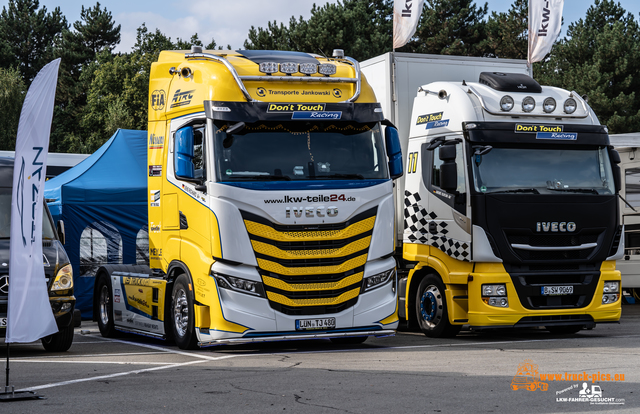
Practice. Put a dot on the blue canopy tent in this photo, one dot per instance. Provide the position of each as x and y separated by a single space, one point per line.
103 203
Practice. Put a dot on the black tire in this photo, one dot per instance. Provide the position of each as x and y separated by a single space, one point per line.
105 306
349 340
182 314
59 342
564 329
431 309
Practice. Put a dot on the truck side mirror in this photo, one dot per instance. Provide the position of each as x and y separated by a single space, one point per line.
394 152
61 232
614 156
448 169
183 150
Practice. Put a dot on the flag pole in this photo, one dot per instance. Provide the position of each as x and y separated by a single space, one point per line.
10 394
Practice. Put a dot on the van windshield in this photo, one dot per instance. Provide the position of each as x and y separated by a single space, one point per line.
5 218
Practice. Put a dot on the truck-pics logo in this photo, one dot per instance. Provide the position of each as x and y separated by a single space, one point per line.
527 377
158 100
182 98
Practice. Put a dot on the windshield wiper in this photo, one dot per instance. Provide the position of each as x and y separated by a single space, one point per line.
341 176
518 190
575 190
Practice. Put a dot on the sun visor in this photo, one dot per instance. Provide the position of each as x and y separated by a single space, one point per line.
510 82
277 56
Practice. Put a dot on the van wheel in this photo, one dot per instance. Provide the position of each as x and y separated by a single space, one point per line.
431 309
566 329
182 314
105 307
349 340
59 342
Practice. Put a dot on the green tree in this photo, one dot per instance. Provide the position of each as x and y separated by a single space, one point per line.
95 32
12 93
28 35
449 27
507 33
363 29
600 57
118 89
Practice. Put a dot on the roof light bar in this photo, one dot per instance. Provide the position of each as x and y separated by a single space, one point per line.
308 68
327 69
288 67
268 67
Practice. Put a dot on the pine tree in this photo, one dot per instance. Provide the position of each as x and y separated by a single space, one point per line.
27 36
449 27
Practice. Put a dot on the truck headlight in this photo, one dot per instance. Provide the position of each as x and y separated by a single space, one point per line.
495 295
506 103
64 279
372 282
549 105
570 105
610 292
528 104
237 284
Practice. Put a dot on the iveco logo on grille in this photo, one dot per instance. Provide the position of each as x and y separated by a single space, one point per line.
320 211
555 226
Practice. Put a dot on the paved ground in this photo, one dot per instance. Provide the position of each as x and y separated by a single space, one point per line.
471 373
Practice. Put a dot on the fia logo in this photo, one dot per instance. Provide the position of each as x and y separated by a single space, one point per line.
158 99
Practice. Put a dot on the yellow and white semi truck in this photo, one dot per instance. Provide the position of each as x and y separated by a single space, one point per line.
510 198
271 212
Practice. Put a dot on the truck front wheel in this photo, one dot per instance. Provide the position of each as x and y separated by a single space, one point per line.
431 309
182 314
59 342
105 307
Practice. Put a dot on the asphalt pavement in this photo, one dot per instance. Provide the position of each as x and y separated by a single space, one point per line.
507 371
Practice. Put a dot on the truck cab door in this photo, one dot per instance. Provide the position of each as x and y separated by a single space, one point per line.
436 215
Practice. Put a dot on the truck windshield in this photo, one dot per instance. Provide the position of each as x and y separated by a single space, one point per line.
543 171
273 151
5 218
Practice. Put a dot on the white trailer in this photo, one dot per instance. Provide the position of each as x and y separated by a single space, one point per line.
396 77
628 146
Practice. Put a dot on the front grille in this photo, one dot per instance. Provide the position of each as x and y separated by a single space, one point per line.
553 244
311 269
529 288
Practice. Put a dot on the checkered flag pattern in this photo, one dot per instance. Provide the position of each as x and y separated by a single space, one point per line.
417 219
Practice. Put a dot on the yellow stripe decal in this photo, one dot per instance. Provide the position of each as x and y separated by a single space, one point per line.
314 270
275 297
268 232
273 251
305 287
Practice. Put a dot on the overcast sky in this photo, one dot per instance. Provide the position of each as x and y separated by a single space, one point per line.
228 21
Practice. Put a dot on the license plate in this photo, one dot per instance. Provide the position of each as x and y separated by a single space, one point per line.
312 324
3 322
557 290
